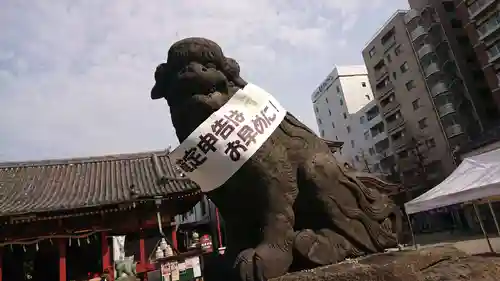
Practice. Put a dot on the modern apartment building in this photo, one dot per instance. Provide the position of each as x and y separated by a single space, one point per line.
406 82
347 112
481 20
440 17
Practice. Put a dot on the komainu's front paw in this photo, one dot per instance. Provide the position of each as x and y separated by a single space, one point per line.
263 263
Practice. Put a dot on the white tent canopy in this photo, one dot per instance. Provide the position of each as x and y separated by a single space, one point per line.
475 178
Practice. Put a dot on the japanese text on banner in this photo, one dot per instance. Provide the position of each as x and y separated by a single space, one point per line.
229 137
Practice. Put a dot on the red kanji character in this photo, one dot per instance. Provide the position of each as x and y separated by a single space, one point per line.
207 142
247 134
236 117
234 149
222 128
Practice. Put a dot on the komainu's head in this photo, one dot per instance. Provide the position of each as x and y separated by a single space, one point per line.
196 81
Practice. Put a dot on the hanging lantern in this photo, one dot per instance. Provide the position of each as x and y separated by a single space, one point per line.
206 244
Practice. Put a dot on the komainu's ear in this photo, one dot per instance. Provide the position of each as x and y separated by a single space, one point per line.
231 69
161 82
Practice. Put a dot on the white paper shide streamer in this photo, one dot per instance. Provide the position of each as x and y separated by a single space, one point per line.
229 137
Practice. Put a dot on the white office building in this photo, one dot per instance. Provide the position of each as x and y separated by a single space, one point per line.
346 111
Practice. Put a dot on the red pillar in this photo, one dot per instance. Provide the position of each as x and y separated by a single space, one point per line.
219 233
142 249
1 263
174 238
106 255
62 259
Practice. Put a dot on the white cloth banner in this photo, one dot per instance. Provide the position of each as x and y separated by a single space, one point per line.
118 248
229 137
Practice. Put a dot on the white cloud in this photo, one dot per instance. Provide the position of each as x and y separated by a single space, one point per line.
75 75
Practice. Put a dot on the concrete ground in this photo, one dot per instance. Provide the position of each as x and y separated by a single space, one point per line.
472 244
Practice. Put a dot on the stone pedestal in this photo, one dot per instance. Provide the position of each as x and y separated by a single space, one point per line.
444 263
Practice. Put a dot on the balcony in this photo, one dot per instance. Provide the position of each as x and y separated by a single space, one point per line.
388 108
379 137
391 126
425 50
372 121
431 69
381 73
390 43
454 130
399 143
418 32
478 7
446 109
438 89
490 27
384 153
380 93
412 14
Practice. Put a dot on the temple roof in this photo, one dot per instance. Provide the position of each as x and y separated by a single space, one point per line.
58 185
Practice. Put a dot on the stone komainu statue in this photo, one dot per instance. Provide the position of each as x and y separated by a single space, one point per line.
292 206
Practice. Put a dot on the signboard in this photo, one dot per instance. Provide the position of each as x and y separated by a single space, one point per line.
323 87
218 148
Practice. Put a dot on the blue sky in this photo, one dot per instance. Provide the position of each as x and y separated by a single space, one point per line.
75 76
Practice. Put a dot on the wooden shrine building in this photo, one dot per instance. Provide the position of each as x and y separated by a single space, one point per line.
57 216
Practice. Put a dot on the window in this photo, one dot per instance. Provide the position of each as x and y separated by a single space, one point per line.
422 124
333 125
389 59
404 67
368 97
345 115
494 51
367 135
456 23
322 133
329 112
490 25
430 143
363 84
416 104
397 50
326 100
353 144
372 52
361 120
410 85
348 129
337 138
319 121
338 89
403 154
341 101
316 109
449 6
476 6
371 151
394 75
356 158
